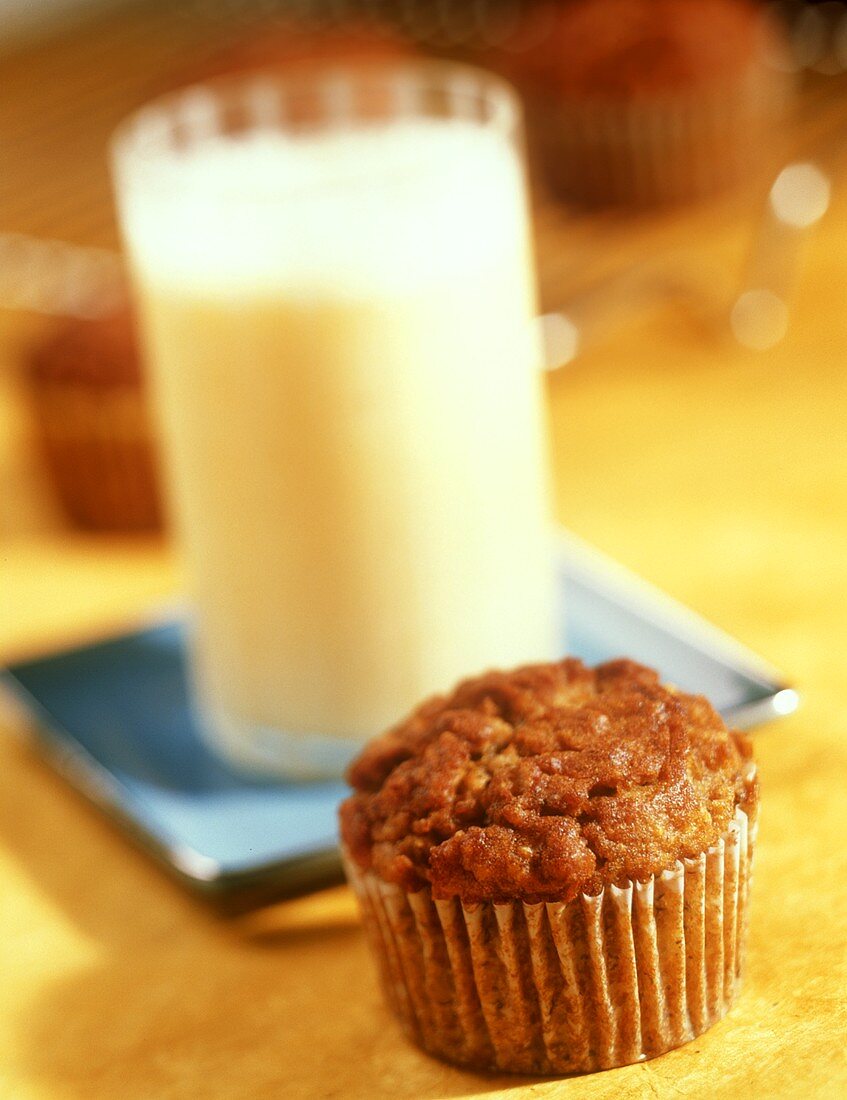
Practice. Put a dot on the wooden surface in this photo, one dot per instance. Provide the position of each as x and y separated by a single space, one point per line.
720 475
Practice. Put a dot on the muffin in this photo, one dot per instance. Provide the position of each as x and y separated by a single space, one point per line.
86 391
553 867
293 46
299 50
647 101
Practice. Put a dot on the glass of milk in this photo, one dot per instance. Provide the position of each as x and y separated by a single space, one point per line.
337 298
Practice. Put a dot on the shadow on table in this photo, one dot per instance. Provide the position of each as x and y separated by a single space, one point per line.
175 1002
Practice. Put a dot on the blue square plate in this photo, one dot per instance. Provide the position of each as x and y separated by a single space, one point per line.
113 718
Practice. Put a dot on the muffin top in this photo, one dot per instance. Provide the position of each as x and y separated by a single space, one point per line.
100 351
291 45
544 783
630 49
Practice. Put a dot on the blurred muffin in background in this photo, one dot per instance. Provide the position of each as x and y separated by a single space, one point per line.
85 383
292 46
647 101
298 48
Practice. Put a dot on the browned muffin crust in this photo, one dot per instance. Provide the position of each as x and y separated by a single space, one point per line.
545 782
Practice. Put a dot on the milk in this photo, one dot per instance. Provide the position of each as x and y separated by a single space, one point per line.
345 365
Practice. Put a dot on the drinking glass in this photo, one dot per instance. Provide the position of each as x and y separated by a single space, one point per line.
337 300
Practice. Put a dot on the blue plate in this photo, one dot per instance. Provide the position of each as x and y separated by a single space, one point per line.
115 720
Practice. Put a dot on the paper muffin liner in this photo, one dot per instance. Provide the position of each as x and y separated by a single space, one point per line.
99 449
552 988
679 147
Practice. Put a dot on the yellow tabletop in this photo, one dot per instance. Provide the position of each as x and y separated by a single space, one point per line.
718 474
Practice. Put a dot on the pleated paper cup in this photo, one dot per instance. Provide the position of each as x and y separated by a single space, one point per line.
665 149
98 445
553 987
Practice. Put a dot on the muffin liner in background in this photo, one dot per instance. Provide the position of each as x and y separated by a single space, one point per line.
98 447
590 984
667 149
85 383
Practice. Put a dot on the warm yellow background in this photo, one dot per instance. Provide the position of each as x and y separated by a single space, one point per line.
718 474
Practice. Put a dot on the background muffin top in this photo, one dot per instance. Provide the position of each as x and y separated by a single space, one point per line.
638 48
546 782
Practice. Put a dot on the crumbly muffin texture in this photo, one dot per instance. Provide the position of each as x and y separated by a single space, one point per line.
546 782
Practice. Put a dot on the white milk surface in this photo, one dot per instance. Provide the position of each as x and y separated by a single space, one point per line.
363 211
341 329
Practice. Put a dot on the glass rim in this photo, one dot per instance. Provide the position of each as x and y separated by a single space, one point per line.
142 136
